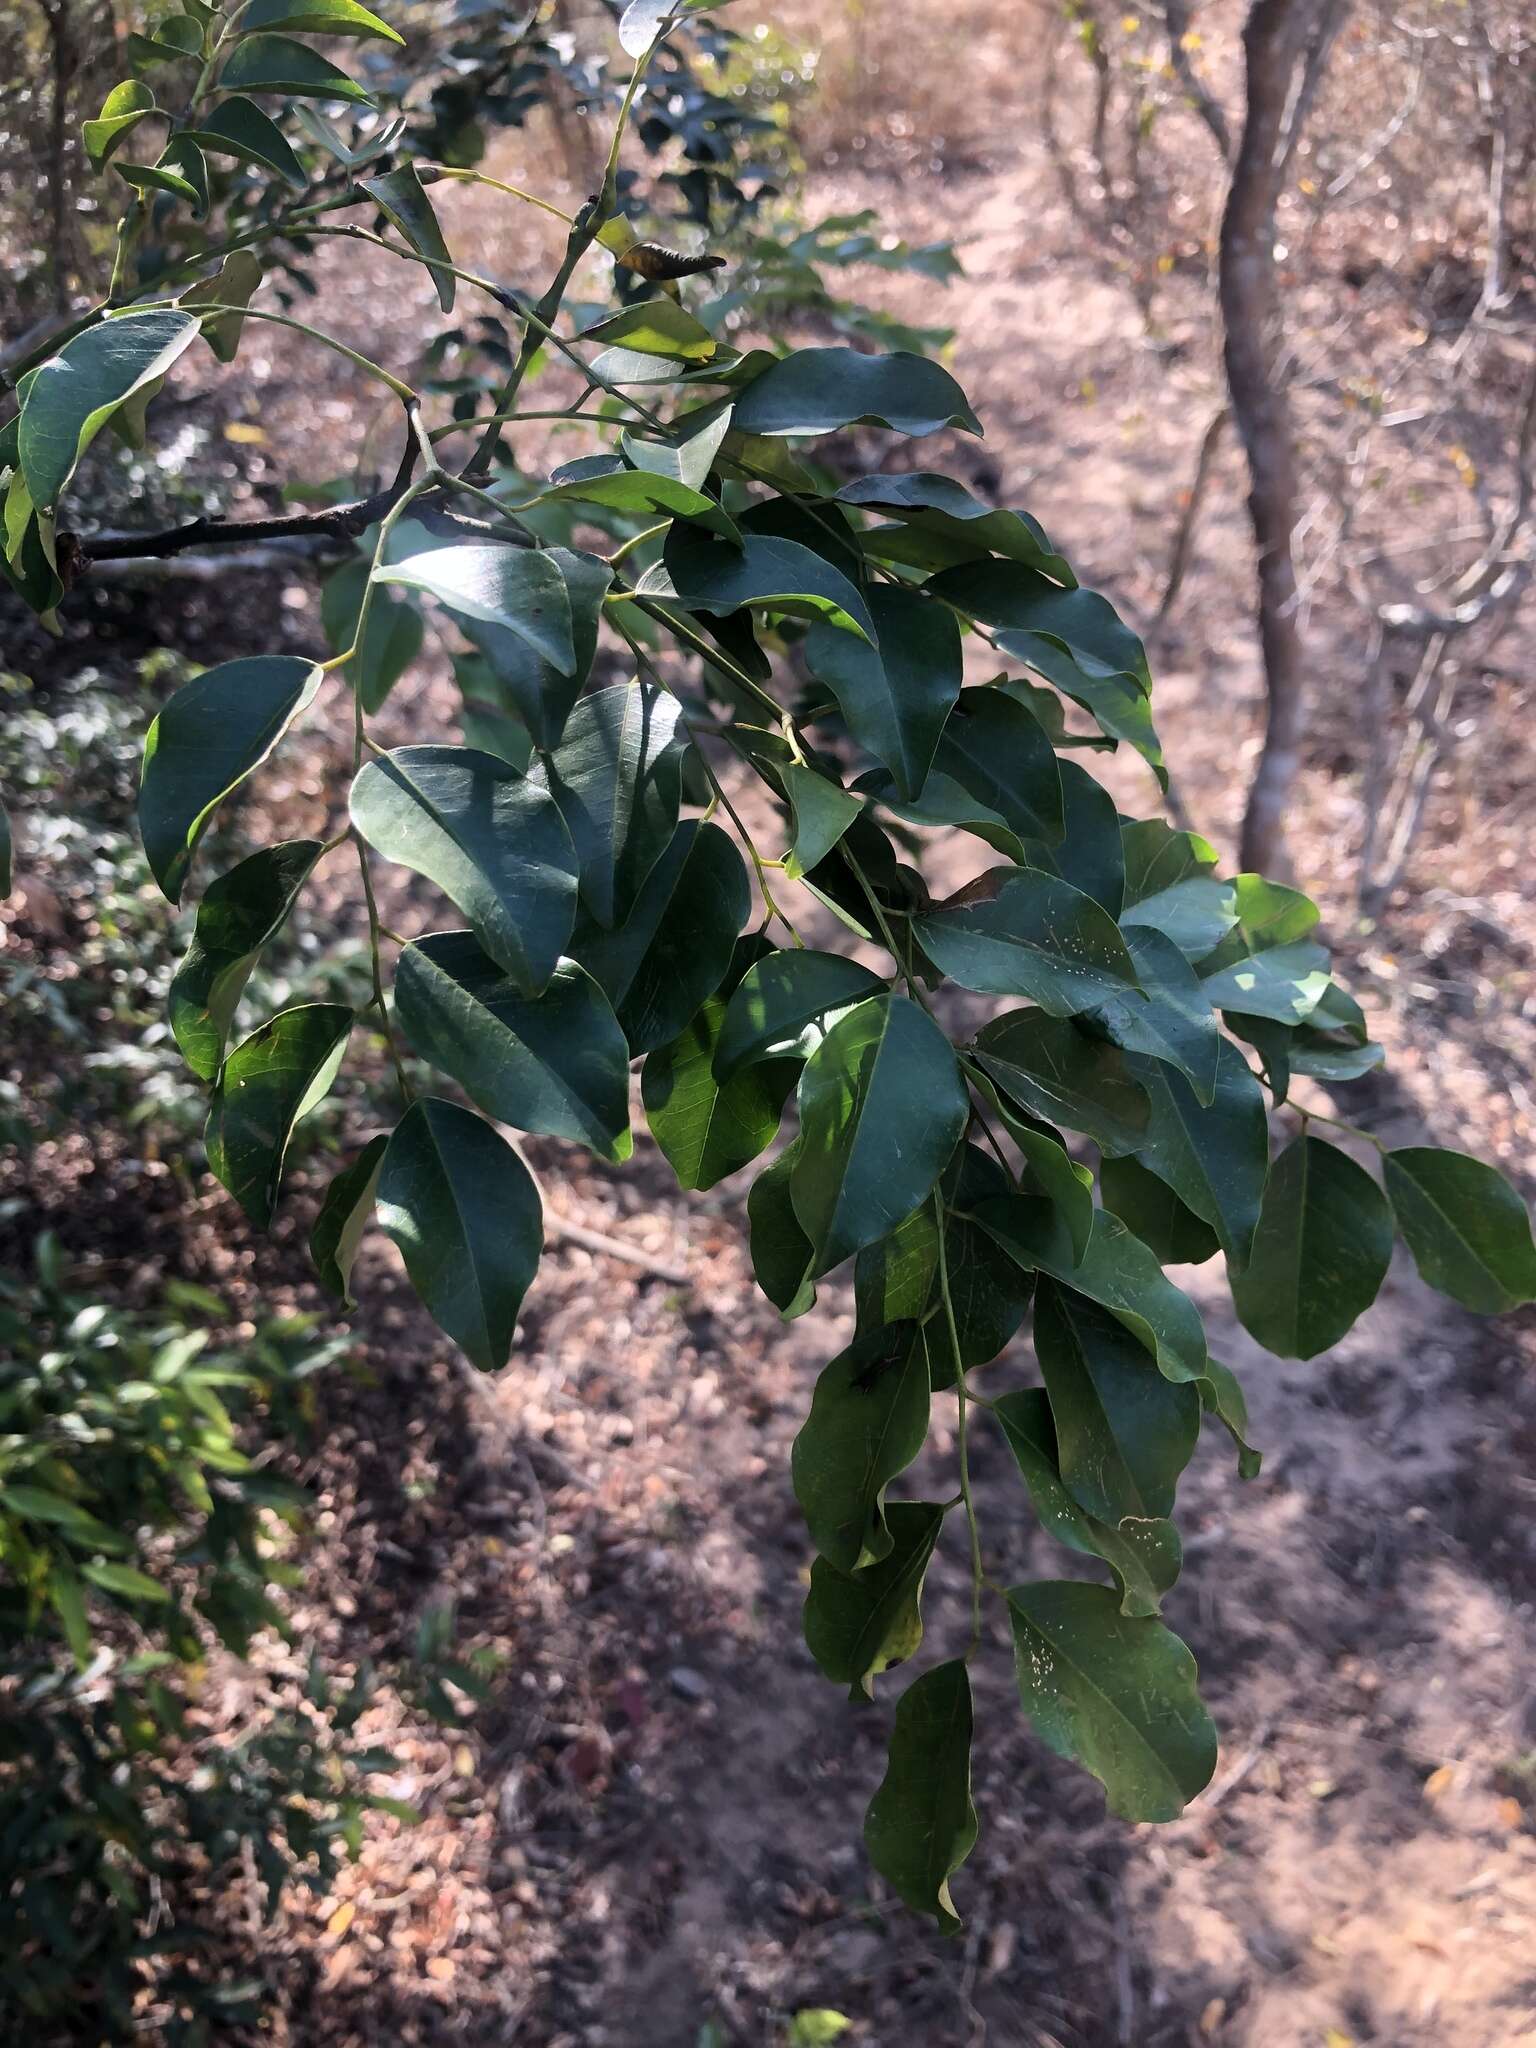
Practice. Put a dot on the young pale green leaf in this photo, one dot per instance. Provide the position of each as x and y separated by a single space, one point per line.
858 1624
392 634
492 841
821 812
921 1824
1172 1018
895 696
1052 1070
161 178
70 399
782 1254
784 1006
1150 1209
617 776
882 1107
868 1421
121 112
938 507
708 574
1036 937
1215 1156
466 1216
343 1217
674 948
708 1128
241 912
1124 1433
402 198
822 390
271 1080
1222 1396
1117 1271
657 327
994 749
269 63
555 1064
520 589
315 18
1466 1227
1144 1554
1117 1695
237 127
210 736
1320 1253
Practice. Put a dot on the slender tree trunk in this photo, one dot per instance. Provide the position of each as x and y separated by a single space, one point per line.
1285 45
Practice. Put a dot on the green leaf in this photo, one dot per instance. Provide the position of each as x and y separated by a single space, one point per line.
392 637
557 1064
1117 703
1222 1396
122 110
271 1080
1144 1553
1172 1019
1037 937
233 284
492 841
675 947
782 1254
706 1128
70 399
1090 855
1466 1227
522 589
1123 1432
821 390
190 180
944 804
401 196
894 697
1054 1071
708 574
821 812
1116 1270
868 1421
1115 1694
241 912
1169 887
1320 1253
268 63
1080 623
617 776
965 527
1267 966
995 750
1214 1156
687 456
237 127
784 1006
343 1217
882 1107
1151 1210
858 1624
1048 1169
921 1824
124 1580
209 737
316 18
466 1216
657 327
641 494
532 688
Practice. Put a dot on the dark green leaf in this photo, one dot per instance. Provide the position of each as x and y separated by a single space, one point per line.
785 1005
123 1579
70 399
945 805
709 574
689 455
1221 1396
1467 1228
1117 1695
1214 1156
161 178
858 1624
392 636
1267 966
642 494
1048 1169
1079 623
237 127
520 589
401 196
1320 1253
271 1080
1036 937
868 1421
343 1217
921 1824
821 390
782 1254
532 687
617 776
966 528
240 913
1089 854
994 749
554 1064
707 1128
466 1216
210 736
1172 1019
1151 1210
1169 887
492 841
268 63
822 810
894 697
315 18
1052 1070
1118 704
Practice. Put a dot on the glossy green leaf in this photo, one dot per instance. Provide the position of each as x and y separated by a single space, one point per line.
995 750
868 1421
1172 1018
1222 1396
271 1080
821 390
315 18
121 112
859 1624
1052 1070
237 127
268 63
1080 623
1215 1156
707 1129
233 285
1320 1253
70 399
921 1824
1117 703
708 574
466 1216
617 776
689 455
1089 854
1267 966
1037 937
894 697
1048 1168
674 948
556 1063
1115 1694
882 1107
944 805
492 841
344 1215
1169 887
521 589
1467 1229
657 327
208 738
400 195
392 636
782 1254
642 495
528 686
1144 1553
1124 1433
1150 1209
785 1005
821 812
939 507
241 912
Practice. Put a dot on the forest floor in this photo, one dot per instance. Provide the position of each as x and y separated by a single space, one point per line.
650 1837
